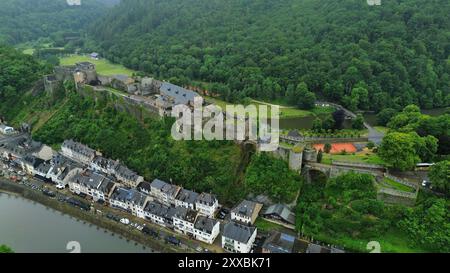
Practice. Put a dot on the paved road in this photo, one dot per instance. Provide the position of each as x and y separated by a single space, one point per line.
6 139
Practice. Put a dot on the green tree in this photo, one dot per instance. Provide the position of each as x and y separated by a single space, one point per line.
358 122
5 249
327 148
398 150
317 125
319 156
440 176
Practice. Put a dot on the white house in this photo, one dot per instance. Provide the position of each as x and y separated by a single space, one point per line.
246 212
159 214
128 177
238 238
163 192
95 185
130 200
207 204
78 152
186 199
206 229
184 220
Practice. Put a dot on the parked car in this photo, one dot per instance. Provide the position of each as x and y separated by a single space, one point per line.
172 240
59 187
125 221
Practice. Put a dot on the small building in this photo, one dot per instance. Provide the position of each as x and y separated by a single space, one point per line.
6 130
128 177
30 164
280 213
129 200
103 165
184 220
206 229
92 184
207 204
238 238
95 56
78 152
279 243
163 192
246 212
186 199
158 214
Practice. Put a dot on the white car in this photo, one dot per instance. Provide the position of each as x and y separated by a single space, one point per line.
59 187
125 221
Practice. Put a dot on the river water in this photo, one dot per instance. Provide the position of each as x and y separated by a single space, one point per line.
27 226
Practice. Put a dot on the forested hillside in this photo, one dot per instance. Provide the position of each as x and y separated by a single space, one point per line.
27 20
366 57
18 73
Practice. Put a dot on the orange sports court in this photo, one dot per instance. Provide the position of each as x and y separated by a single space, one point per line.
337 148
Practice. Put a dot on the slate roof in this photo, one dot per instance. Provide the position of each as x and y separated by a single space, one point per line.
279 243
205 224
282 211
156 209
78 148
129 196
187 196
33 161
94 181
245 208
123 171
206 199
238 232
179 94
166 188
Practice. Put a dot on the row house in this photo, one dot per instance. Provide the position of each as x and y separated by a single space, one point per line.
246 212
207 204
206 229
159 214
103 165
128 177
238 238
129 200
93 184
186 199
30 163
164 192
78 152
63 169
144 187
184 220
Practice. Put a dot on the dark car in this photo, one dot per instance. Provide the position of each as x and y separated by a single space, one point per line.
172 240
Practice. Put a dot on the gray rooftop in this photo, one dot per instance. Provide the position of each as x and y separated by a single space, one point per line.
245 208
129 196
205 224
238 232
187 196
164 187
280 243
282 211
179 94
206 199
94 181
78 148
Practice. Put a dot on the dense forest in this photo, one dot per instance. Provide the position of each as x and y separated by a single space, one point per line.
344 210
365 57
18 74
28 20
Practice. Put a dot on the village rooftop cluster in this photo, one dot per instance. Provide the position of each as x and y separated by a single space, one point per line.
87 173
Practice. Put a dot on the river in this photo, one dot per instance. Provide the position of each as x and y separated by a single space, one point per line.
30 227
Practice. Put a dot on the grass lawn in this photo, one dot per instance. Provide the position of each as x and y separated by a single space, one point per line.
266 226
103 66
397 185
381 129
28 51
356 158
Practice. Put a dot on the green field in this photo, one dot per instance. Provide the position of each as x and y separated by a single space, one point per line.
397 185
103 66
356 158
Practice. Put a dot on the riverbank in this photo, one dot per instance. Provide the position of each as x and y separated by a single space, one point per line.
92 218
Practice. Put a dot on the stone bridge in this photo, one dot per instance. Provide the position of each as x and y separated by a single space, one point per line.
336 170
